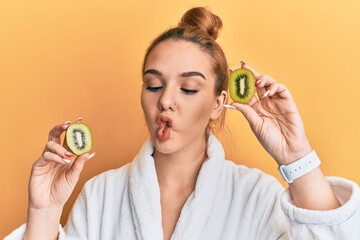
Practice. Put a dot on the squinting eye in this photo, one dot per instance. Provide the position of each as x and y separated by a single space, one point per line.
153 89
189 91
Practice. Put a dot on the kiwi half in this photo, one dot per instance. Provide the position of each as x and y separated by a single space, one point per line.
78 138
242 85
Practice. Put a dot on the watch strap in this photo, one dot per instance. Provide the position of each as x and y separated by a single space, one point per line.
300 167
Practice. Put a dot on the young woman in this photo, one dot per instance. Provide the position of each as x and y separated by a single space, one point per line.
179 186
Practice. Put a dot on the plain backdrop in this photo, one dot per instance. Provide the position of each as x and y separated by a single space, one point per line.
63 59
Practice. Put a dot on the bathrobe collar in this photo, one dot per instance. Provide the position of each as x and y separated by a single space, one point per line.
144 195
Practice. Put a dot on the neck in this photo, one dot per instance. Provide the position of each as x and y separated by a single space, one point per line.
180 169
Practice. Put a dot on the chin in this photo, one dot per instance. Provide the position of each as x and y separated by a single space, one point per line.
165 147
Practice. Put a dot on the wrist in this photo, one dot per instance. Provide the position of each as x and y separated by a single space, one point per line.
49 212
43 223
295 154
300 167
313 192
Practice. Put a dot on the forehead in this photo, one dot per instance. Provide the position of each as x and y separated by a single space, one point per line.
179 56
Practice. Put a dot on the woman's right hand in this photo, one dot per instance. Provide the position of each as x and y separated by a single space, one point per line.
55 174
53 179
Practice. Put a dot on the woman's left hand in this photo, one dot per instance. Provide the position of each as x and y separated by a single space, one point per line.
275 120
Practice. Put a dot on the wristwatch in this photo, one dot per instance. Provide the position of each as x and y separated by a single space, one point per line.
300 167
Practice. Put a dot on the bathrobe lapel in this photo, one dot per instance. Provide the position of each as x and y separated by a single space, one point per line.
198 208
144 193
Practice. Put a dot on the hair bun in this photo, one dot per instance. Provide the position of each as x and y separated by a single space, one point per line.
203 19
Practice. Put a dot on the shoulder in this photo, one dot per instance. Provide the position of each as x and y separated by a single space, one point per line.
252 179
239 174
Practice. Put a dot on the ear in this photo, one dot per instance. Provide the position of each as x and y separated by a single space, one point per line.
219 105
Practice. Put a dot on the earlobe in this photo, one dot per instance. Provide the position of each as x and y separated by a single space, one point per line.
219 105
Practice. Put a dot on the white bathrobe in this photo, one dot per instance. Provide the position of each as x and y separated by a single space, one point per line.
229 202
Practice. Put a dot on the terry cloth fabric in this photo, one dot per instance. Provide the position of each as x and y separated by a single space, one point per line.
229 202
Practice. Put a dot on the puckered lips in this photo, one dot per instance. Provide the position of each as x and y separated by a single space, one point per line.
165 124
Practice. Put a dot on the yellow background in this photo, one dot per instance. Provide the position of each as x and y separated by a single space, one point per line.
64 59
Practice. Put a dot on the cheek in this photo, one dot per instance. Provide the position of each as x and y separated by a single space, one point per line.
199 113
142 100
147 106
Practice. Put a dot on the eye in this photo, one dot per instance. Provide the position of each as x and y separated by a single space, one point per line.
189 91
153 89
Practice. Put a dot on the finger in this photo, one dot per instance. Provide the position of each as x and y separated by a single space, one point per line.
59 150
253 101
79 163
279 90
249 113
245 65
79 119
55 133
262 84
52 157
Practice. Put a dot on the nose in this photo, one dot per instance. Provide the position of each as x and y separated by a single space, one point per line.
167 100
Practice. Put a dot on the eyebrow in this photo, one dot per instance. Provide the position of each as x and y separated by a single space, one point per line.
191 74
153 71
185 74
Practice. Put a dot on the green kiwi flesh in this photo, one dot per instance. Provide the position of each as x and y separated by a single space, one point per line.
242 85
78 138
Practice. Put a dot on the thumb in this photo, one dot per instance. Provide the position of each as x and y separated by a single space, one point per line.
78 164
249 113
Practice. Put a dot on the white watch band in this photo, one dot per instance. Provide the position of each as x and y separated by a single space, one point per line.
300 167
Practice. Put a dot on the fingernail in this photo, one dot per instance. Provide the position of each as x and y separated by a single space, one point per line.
79 119
242 62
90 156
258 83
67 160
229 106
267 93
69 154
67 122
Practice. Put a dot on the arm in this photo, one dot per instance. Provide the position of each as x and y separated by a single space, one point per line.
313 192
43 223
53 178
276 122
282 217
